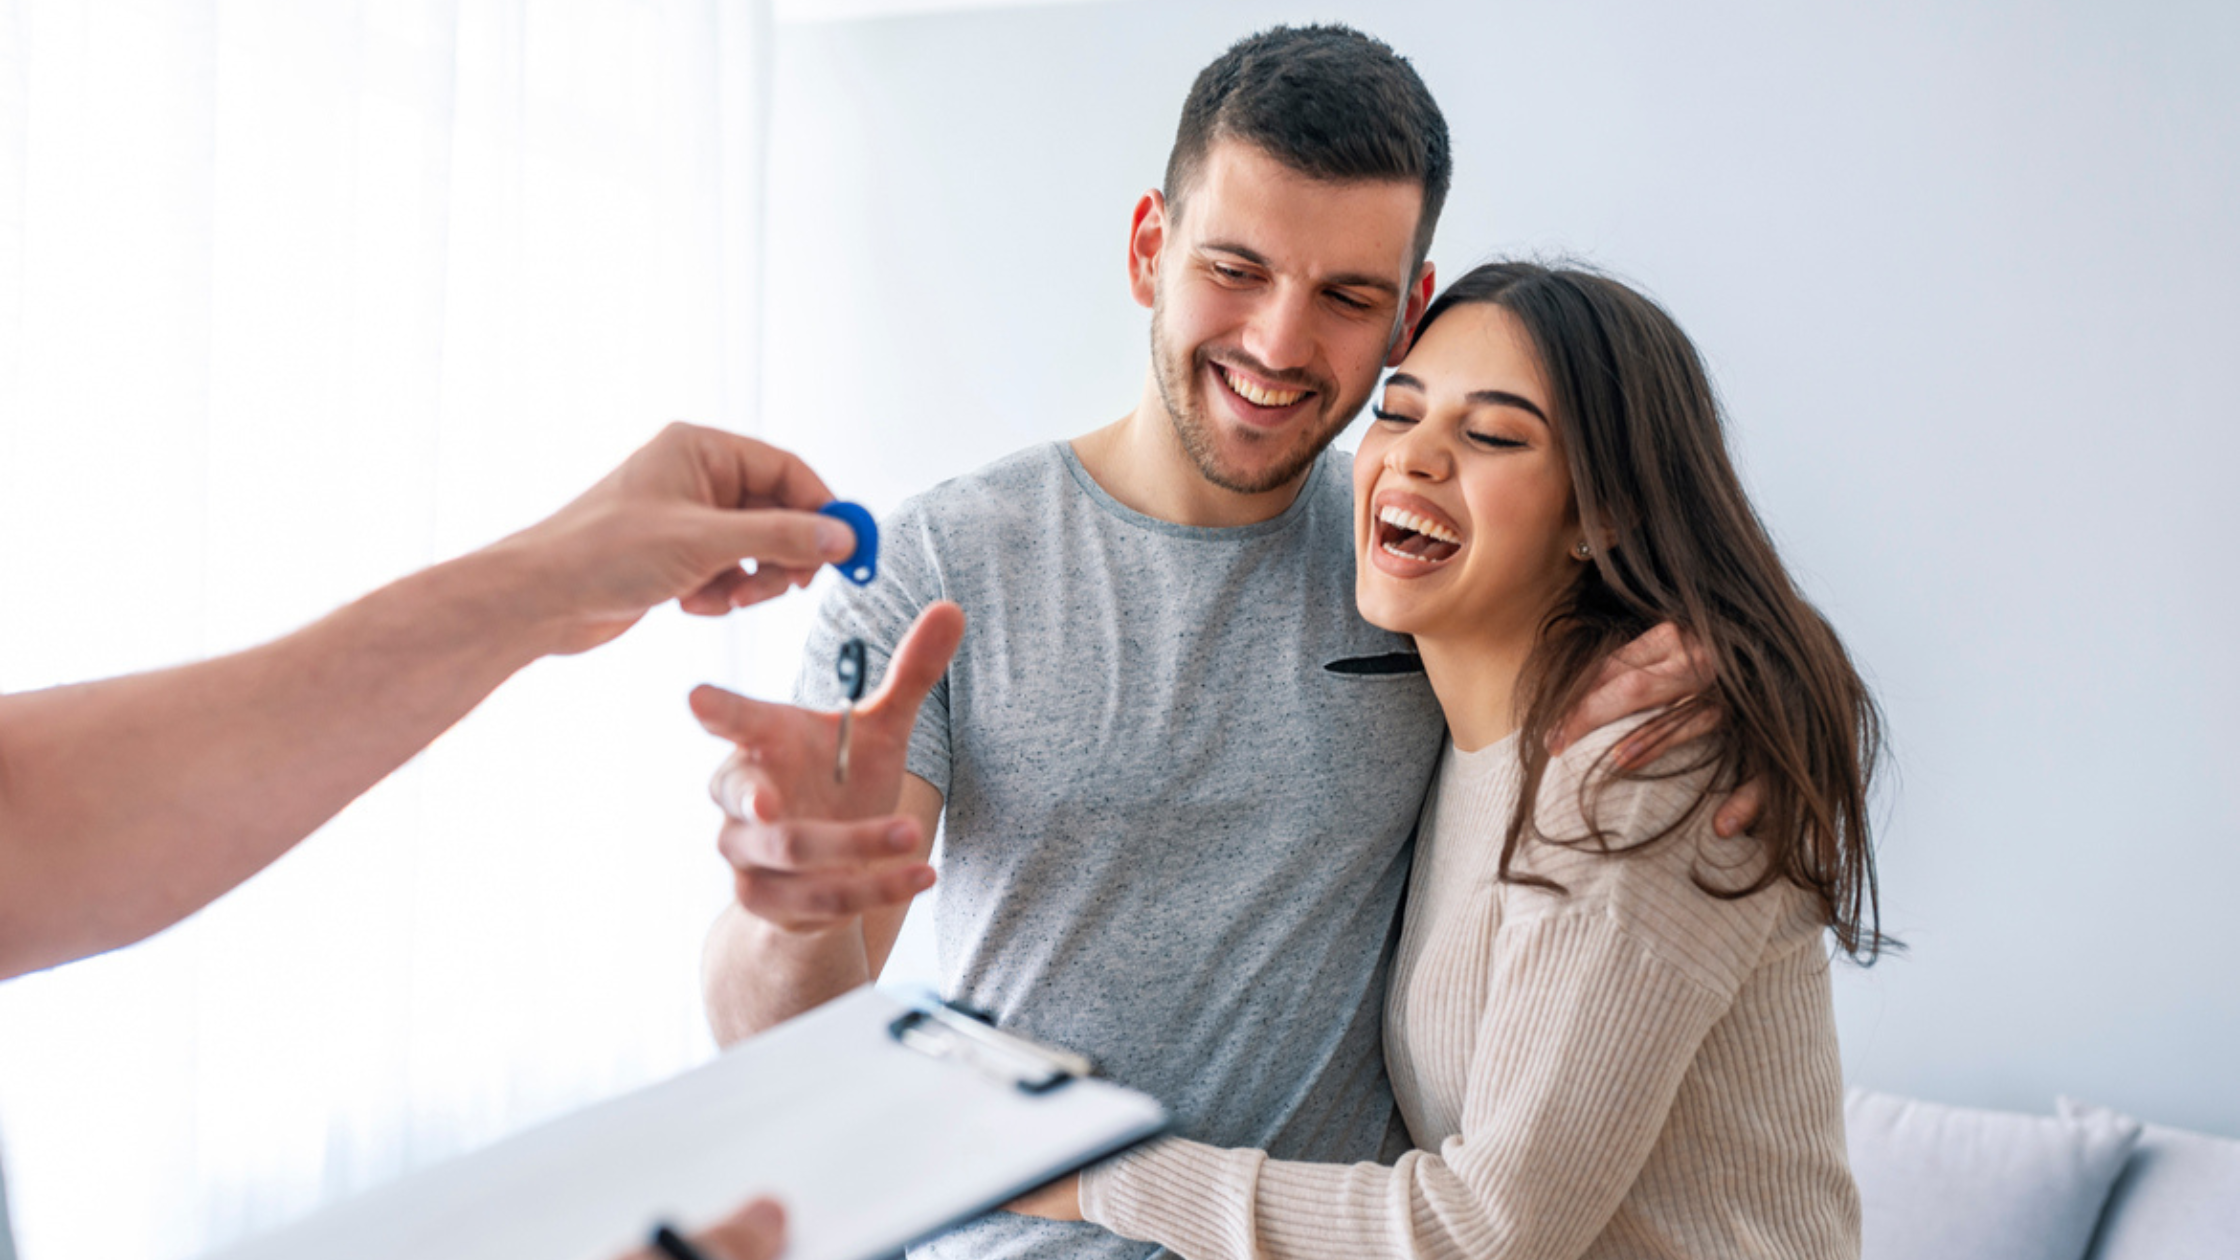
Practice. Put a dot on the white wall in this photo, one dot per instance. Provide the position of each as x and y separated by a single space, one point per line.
1967 280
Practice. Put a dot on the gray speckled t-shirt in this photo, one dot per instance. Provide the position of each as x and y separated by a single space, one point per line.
1175 840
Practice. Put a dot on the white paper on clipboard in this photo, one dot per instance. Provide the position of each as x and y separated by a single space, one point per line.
869 1142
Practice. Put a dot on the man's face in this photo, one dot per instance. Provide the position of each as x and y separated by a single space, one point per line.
1274 300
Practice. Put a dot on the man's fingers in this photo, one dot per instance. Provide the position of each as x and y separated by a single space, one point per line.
738 788
1741 810
1646 689
1622 692
1661 667
805 902
1668 651
1648 744
1574 723
808 845
920 660
917 665
1660 645
750 723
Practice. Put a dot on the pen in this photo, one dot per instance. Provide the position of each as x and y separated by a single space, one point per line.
672 1244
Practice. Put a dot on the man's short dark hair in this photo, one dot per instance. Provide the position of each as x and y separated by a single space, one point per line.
1326 101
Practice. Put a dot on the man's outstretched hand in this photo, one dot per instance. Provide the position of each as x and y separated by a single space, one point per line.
1662 667
810 853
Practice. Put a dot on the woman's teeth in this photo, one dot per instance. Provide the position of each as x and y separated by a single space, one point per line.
1415 524
1414 537
1257 396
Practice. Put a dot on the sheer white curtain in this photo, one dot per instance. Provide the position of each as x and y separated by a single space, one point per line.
295 298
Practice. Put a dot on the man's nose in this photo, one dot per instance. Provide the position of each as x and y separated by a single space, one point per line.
1281 334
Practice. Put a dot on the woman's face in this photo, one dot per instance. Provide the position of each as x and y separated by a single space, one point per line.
1464 525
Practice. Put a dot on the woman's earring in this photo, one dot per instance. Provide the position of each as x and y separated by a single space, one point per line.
1583 551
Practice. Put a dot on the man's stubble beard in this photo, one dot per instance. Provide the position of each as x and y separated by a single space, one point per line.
1176 374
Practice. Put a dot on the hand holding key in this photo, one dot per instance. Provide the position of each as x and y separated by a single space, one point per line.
812 842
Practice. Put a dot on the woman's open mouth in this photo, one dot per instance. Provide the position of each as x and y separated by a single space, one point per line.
1413 536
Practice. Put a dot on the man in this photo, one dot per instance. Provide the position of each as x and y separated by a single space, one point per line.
1179 772
128 804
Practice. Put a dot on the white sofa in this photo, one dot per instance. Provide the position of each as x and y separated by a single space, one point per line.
2086 1183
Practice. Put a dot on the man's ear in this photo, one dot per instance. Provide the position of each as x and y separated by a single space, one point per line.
1411 312
1147 235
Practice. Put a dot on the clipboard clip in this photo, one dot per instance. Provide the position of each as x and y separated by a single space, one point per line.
1029 1066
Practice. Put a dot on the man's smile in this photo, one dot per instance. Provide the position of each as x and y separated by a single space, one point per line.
1255 393
1258 402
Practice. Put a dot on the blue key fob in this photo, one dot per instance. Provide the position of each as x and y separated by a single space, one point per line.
863 564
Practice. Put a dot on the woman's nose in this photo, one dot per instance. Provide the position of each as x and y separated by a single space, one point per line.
1417 453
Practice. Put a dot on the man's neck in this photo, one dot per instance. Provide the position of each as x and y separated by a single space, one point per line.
1139 460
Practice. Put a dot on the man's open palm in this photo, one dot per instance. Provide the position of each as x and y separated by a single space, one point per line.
810 851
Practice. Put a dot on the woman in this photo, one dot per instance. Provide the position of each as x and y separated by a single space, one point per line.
1609 1030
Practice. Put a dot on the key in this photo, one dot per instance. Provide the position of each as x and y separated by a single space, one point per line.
850 671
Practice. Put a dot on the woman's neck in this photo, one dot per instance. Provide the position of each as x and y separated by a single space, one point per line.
1476 681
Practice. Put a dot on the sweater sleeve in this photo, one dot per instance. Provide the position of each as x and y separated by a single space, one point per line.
1600 996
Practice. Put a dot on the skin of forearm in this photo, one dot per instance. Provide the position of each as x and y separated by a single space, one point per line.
130 803
755 976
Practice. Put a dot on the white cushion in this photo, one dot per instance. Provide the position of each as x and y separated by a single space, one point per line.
1939 1183
2178 1198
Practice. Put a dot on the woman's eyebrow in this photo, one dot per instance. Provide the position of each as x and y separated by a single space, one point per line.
1485 397
1503 398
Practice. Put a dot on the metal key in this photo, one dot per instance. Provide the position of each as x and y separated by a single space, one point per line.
851 672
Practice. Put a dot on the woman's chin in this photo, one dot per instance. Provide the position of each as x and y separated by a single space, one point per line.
1387 609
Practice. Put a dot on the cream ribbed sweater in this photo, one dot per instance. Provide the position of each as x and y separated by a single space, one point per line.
1633 1068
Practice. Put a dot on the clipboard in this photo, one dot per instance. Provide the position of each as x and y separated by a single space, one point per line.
877 1121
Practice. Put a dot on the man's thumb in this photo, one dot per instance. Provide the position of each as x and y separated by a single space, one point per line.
922 658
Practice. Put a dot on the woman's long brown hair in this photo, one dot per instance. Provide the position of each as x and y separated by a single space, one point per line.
1676 541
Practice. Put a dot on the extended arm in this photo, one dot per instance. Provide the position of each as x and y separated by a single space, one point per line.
127 804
